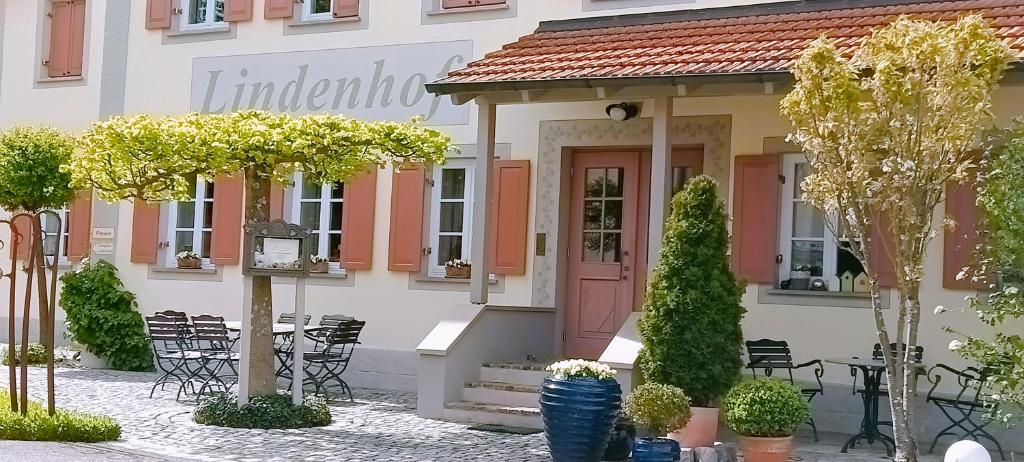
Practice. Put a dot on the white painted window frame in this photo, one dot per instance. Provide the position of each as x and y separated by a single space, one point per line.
309 16
325 200
64 235
786 210
211 14
433 269
197 229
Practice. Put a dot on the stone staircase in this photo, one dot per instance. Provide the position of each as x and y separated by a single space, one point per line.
507 393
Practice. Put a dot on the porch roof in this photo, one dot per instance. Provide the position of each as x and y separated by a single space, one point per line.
754 43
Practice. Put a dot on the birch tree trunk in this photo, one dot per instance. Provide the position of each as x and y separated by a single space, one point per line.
261 338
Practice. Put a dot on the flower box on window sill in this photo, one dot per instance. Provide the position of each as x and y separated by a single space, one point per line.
190 263
453 272
318 267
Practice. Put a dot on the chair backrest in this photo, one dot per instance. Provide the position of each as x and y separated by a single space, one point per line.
334 320
768 355
210 332
341 340
173 314
289 318
916 356
969 382
165 333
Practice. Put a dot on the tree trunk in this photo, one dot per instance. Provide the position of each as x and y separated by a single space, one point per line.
262 381
12 314
44 298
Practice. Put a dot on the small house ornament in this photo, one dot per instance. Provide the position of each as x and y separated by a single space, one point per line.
861 283
846 282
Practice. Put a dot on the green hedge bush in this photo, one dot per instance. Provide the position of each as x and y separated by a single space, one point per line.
36 355
765 408
103 317
274 411
690 328
67 426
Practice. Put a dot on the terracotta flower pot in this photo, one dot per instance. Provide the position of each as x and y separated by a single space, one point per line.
702 430
190 263
756 449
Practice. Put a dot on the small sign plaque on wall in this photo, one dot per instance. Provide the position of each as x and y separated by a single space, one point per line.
103 233
103 248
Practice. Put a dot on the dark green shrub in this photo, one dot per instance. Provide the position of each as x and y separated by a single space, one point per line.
70 426
103 317
273 411
690 327
31 177
767 408
658 408
36 355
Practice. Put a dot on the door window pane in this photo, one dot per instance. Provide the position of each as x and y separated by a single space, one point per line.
613 214
592 247
594 183
610 250
613 182
680 175
592 214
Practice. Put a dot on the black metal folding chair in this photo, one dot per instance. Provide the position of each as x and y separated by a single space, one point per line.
289 318
215 347
966 409
328 361
284 346
172 350
771 355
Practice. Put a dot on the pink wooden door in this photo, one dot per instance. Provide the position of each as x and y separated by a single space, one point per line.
602 249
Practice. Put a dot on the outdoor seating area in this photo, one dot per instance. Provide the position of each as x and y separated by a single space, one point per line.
964 406
199 355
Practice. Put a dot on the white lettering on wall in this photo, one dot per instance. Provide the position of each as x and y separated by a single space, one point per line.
371 83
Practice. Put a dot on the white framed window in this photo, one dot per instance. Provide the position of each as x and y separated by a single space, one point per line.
55 232
202 14
191 224
317 10
319 208
451 216
808 242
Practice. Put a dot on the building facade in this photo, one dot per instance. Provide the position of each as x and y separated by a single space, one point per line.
567 263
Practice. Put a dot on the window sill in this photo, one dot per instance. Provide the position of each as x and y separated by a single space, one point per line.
467 9
818 293
424 278
70 78
219 29
320 22
769 295
329 275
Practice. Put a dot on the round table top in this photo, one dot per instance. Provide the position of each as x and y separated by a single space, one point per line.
869 363
279 328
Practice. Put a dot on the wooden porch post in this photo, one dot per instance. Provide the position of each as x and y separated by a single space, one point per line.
661 177
482 211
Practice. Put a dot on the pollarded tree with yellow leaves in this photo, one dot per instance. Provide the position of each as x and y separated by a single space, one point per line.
158 158
884 131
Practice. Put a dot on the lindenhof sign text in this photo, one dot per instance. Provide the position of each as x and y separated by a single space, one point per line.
371 83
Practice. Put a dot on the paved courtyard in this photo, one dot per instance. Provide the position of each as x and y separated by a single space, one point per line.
379 426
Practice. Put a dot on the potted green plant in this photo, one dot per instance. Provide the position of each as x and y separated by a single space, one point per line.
657 410
188 259
579 402
765 413
317 264
458 269
690 328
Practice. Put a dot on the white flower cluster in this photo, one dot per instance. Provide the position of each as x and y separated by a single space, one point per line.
456 263
578 368
187 255
314 259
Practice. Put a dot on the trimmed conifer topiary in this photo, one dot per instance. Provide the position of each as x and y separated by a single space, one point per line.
690 327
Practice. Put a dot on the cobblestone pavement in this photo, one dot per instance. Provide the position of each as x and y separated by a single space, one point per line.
379 426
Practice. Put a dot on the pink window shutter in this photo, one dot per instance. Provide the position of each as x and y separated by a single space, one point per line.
61 32
405 245
80 226
755 227
511 203
357 221
882 247
77 48
23 224
237 10
277 9
276 202
145 232
226 241
468 3
158 14
959 242
346 8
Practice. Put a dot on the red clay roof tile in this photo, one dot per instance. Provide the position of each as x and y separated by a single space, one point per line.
743 43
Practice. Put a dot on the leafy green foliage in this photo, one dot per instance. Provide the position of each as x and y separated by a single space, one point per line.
36 355
31 163
273 411
658 408
158 158
1000 264
69 426
765 408
103 316
690 328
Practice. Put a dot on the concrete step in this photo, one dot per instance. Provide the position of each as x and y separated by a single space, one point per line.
526 373
483 413
506 394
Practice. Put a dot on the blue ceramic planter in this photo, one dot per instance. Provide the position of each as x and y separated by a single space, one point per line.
578 417
655 450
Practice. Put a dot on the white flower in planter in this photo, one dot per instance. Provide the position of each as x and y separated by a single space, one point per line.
577 368
187 255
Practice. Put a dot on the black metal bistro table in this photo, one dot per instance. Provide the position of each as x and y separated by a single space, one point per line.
873 371
279 327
